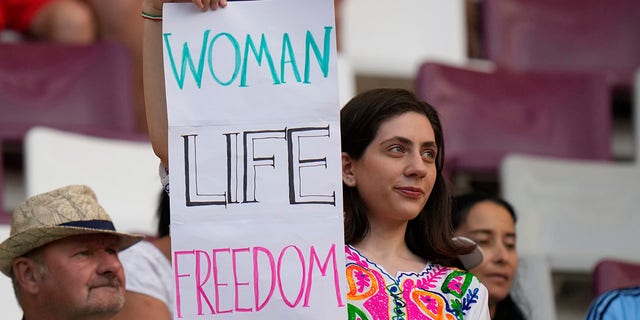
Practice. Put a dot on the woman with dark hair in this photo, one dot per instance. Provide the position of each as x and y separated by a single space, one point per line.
397 217
490 222
400 252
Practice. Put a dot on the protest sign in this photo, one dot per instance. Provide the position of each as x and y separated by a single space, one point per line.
254 147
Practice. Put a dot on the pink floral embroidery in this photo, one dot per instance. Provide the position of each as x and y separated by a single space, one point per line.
430 303
430 281
362 280
355 257
435 293
455 285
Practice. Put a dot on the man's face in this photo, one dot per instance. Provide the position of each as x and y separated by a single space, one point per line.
82 276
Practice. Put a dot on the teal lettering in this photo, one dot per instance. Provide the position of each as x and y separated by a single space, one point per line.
186 58
287 50
323 59
261 53
236 69
264 50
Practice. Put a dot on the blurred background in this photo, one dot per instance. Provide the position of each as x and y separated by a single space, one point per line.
538 100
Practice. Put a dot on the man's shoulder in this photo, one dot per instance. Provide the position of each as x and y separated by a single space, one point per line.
621 303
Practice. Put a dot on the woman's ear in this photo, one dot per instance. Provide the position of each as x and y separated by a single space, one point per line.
348 176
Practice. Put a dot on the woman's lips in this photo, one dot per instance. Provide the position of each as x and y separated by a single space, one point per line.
498 277
412 192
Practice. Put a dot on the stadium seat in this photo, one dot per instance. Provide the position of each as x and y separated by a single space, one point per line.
70 87
487 115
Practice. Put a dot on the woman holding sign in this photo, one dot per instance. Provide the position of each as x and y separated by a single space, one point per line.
397 214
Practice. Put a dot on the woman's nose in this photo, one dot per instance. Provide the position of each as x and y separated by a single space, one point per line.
416 165
500 253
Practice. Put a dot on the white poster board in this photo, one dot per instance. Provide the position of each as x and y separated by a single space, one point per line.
254 147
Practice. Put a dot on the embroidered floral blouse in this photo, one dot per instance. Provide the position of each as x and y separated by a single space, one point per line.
438 292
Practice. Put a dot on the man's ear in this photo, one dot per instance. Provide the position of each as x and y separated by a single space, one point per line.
27 274
348 175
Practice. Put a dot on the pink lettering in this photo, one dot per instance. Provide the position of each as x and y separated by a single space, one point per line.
216 283
213 271
256 276
301 257
177 275
323 271
235 279
199 291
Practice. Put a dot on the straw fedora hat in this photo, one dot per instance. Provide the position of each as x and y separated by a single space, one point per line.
44 218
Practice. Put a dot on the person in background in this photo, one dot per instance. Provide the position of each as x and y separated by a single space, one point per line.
119 21
82 22
616 304
399 248
62 256
490 222
147 267
64 21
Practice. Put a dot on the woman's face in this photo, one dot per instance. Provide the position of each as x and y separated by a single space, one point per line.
492 227
397 170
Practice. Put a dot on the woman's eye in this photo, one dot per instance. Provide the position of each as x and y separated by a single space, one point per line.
481 242
429 154
396 148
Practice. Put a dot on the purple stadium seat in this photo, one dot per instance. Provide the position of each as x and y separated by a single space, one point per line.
77 88
568 35
487 115
614 274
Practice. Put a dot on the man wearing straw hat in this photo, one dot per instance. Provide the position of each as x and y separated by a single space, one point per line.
62 256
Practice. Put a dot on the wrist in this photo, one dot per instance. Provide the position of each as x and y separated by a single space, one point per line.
151 8
151 17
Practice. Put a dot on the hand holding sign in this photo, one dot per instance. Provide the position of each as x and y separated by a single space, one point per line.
154 7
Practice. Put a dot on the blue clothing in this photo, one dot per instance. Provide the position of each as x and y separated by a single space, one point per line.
618 304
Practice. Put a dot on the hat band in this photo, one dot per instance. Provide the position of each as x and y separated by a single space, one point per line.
91 224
